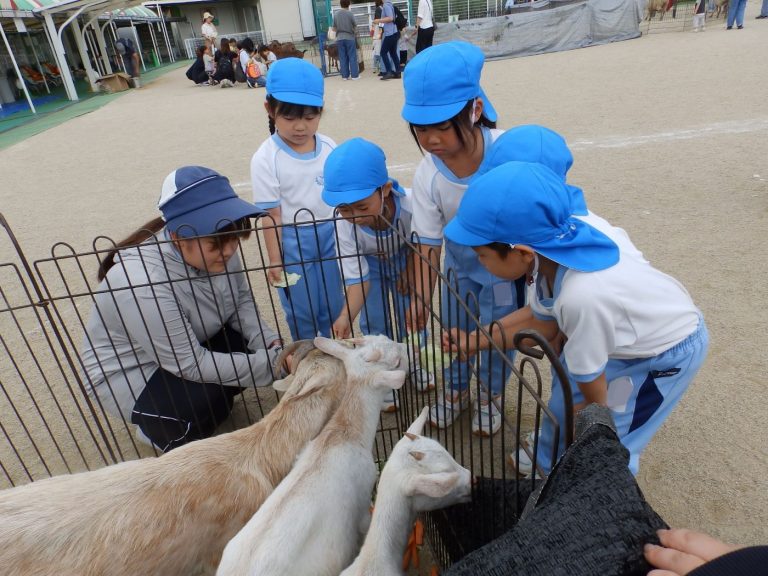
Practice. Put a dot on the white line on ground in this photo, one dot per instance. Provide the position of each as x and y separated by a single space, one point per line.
736 127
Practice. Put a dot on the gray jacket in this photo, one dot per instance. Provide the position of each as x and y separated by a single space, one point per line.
344 22
152 311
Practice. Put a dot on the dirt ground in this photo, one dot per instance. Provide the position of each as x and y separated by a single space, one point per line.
670 138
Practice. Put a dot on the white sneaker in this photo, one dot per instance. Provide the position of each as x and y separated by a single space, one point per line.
448 408
486 419
522 462
423 380
390 403
355 78
226 83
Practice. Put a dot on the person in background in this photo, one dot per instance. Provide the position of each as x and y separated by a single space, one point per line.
391 35
129 55
406 34
699 14
736 10
175 334
244 55
197 72
255 71
425 25
208 31
763 11
346 41
267 55
225 73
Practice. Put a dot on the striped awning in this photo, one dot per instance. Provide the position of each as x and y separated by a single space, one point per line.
23 8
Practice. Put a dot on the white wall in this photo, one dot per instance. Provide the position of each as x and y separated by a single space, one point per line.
282 19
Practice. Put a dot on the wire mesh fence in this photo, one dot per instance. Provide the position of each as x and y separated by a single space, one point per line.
68 384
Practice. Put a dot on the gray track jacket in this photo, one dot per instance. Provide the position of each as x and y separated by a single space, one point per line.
152 311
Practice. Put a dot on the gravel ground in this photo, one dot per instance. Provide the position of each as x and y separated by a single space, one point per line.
670 138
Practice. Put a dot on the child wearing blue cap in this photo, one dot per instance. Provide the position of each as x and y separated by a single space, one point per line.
453 121
373 257
287 179
635 339
175 334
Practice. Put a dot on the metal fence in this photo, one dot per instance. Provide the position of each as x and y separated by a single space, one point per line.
52 422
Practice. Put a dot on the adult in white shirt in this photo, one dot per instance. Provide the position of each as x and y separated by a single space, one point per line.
425 24
208 31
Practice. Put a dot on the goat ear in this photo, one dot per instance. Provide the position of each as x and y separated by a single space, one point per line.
417 455
390 378
332 347
417 427
282 385
433 485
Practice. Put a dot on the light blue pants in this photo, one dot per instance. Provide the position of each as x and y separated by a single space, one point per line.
736 12
378 315
658 383
764 9
313 303
489 298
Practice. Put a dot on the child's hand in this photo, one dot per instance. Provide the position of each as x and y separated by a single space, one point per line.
402 285
342 328
276 274
456 341
416 317
683 551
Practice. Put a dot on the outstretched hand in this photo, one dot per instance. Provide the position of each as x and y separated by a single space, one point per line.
683 551
456 341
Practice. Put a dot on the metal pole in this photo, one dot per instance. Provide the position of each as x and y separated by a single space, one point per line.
167 37
90 72
138 45
114 42
61 57
90 42
154 42
16 67
37 61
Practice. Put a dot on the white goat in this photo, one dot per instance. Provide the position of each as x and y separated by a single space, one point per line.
420 476
170 515
313 523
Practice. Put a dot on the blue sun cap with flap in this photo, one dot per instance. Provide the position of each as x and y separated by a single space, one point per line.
353 171
295 81
534 143
198 201
440 80
528 204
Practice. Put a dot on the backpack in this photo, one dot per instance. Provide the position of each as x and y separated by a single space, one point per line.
239 74
252 70
400 20
224 66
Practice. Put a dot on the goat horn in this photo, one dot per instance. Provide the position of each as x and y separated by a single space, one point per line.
411 436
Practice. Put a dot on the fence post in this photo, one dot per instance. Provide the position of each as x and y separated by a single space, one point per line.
44 304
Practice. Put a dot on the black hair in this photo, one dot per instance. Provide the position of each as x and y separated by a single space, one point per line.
279 108
461 124
201 50
239 228
247 45
500 248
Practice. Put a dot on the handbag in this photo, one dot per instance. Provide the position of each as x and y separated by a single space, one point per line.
331 34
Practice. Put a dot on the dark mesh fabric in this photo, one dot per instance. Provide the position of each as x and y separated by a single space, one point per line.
590 518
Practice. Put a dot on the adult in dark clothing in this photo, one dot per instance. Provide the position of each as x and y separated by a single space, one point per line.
346 33
389 41
127 51
425 25
196 72
223 59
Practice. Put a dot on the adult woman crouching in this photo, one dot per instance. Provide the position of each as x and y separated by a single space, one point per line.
175 334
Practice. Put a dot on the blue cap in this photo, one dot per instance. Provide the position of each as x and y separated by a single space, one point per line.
534 143
197 201
353 171
440 80
295 81
526 203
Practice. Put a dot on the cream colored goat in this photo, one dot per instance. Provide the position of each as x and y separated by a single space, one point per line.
313 523
170 515
420 476
655 6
